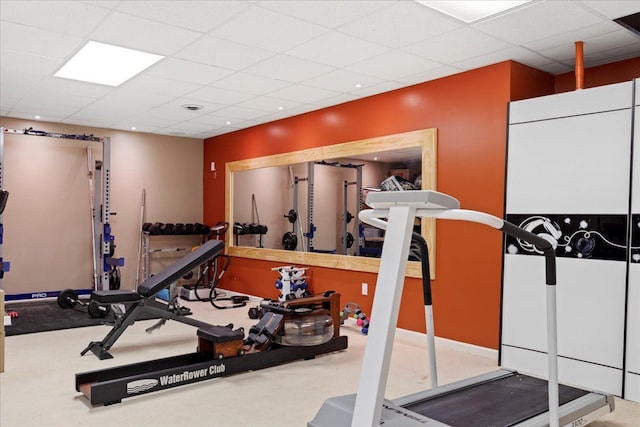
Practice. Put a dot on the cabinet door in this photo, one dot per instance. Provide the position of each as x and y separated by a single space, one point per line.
568 176
632 371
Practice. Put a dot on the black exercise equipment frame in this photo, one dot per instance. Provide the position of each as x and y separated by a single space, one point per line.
109 386
142 303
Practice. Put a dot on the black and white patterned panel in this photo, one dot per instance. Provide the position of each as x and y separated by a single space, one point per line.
575 235
635 239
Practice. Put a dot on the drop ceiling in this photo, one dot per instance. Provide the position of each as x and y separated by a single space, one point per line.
252 62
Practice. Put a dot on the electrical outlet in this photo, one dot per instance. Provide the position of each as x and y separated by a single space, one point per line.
365 288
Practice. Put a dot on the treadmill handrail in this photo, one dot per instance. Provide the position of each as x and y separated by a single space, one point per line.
374 217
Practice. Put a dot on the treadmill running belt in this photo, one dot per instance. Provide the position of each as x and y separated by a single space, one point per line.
499 403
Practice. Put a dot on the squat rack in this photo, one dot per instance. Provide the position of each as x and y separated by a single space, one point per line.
103 256
345 185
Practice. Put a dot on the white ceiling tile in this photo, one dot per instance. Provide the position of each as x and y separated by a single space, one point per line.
604 42
467 41
20 61
616 54
43 108
379 88
157 85
223 53
516 53
7 102
61 16
207 106
44 94
250 83
538 20
135 33
304 93
236 112
131 101
269 30
17 84
107 4
36 41
29 116
337 99
328 13
220 96
187 71
289 68
173 115
128 125
144 121
592 46
613 9
401 24
428 75
336 49
93 121
393 65
212 120
73 87
268 104
111 112
190 127
555 68
570 37
201 16
342 80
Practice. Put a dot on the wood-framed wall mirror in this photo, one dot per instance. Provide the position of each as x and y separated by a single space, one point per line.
301 207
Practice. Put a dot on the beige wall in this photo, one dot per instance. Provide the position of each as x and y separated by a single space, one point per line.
47 231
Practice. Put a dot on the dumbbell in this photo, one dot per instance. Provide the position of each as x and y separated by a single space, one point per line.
68 298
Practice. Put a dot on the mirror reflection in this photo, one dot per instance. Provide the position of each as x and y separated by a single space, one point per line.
313 206
301 207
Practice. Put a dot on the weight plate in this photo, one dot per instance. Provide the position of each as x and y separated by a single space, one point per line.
67 298
97 310
289 241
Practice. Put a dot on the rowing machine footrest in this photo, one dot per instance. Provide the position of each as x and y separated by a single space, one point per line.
220 334
115 296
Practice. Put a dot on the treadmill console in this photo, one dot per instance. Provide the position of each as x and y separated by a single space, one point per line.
421 199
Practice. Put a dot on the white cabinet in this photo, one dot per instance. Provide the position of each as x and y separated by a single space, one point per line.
569 180
632 366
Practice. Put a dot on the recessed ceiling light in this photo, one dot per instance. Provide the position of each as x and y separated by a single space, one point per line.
358 85
280 108
227 123
36 117
106 64
471 10
133 128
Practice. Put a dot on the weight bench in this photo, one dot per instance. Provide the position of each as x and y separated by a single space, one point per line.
143 304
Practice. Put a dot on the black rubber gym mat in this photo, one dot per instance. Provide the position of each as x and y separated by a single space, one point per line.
46 315
499 403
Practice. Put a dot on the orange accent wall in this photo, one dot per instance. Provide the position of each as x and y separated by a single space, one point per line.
470 112
617 72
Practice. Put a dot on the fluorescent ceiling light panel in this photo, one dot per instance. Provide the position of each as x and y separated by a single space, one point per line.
106 64
470 11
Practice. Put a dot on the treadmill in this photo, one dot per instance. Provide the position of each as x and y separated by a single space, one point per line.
497 399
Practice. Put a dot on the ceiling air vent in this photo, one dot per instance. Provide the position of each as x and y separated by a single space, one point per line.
192 107
630 22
